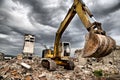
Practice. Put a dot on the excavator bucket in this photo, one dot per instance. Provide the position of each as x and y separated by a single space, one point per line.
98 45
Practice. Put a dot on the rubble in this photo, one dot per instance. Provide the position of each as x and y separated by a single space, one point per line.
25 65
16 69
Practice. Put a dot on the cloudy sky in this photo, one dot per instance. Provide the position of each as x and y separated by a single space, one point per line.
42 19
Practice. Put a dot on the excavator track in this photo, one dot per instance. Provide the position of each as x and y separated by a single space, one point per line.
70 65
49 64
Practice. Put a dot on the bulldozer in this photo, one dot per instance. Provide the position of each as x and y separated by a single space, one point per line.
97 43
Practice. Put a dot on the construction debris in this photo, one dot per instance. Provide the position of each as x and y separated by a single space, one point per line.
25 65
27 69
85 69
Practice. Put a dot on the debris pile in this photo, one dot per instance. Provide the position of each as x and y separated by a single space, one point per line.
21 69
26 69
108 69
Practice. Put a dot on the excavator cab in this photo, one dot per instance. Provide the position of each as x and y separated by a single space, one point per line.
65 50
49 60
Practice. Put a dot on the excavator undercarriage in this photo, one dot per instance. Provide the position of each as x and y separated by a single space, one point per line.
51 64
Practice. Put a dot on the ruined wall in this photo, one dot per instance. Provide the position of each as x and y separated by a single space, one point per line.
28 48
1 56
28 44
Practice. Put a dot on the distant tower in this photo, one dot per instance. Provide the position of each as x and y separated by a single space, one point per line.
28 48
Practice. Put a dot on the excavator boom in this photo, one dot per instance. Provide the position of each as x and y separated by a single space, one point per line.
71 13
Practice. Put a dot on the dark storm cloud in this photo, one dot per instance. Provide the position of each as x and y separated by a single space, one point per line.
4 41
5 29
42 14
107 11
37 12
111 23
1 1
102 8
45 15
42 19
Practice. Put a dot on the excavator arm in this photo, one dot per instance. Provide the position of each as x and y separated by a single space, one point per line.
84 14
71 13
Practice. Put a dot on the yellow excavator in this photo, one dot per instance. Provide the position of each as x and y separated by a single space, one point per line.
97 43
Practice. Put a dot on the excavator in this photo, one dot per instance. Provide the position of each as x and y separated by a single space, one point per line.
97 43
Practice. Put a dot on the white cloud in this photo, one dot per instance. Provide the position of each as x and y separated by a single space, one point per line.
102 3
17 15
3 36
106 4
56 3
51 3
46 29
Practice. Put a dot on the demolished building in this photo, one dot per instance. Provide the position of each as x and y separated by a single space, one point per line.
28 47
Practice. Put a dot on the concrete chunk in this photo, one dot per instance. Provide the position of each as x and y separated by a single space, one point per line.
25 65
